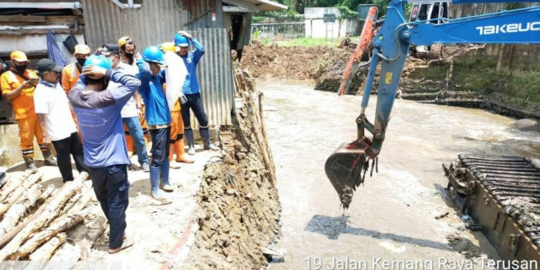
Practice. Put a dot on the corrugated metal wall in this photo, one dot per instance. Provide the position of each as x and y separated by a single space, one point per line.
157 21
215 76
204 13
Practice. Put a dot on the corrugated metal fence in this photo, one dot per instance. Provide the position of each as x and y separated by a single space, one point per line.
157 21
215 76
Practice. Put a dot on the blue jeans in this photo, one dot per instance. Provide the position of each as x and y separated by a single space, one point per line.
111 186
136 132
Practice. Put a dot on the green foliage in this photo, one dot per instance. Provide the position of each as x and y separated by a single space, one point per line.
258 19
309 42
256 33
381 6
266 41
347 14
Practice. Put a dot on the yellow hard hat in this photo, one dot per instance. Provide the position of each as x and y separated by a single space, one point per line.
18 56
123 40
169 47
82 49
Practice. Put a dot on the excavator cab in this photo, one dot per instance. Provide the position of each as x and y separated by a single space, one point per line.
428 12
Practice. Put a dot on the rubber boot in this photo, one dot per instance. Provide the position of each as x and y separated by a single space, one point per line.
155 173
181 155
49 160
29 161
164 184
189 137
173 164
205 135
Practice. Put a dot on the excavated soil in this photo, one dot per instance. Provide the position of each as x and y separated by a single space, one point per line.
239 206
322 64
441 77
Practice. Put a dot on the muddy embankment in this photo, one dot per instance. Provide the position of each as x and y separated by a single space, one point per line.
239 207
454 76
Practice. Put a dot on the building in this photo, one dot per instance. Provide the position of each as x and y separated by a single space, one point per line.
219 24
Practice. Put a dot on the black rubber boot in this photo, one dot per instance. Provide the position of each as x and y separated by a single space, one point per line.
49 160
29 161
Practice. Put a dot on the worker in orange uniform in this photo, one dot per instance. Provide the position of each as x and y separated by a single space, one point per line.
127 53
177 125
71 72
18 86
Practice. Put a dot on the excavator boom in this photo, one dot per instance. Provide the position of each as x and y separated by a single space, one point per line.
347 166
366 36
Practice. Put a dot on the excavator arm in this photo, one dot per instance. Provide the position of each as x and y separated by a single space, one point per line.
347 167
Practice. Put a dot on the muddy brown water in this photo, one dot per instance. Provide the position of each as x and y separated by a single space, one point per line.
392 217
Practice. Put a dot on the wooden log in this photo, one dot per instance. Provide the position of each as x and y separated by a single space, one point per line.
86 248
50 211
61 224
12 185
24 19
46 251
83 201
4 180
20 208
68 254
18 192
48 192
72 201
96 229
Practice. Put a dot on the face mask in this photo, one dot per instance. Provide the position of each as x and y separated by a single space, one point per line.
81 61
129 55
20 69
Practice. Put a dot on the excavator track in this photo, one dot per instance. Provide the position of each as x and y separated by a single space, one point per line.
502 195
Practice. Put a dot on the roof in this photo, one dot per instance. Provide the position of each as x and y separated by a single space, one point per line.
257 5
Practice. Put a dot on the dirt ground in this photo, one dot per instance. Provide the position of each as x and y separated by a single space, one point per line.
239 206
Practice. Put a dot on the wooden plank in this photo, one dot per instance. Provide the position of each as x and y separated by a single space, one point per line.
40 32
20 18
57 5
28 53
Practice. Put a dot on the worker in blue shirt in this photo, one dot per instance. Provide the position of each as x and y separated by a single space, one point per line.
158 117
105 153
191 90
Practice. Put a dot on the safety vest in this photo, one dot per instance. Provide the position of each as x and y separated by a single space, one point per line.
70 77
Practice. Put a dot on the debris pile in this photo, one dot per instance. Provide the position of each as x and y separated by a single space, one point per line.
239 206
37 220
523 210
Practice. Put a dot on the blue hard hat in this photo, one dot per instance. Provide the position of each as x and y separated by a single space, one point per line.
98 61
153 54
181 40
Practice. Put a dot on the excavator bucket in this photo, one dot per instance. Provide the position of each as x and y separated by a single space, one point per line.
346 168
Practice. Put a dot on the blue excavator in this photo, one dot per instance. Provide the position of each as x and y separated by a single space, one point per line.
347 166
